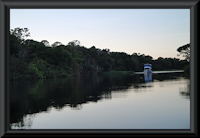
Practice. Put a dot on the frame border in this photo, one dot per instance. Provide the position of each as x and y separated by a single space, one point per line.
6 5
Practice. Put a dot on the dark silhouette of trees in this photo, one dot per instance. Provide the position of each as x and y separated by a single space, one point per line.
32 59
185 51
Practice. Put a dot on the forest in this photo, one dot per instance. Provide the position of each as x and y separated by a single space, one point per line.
30 59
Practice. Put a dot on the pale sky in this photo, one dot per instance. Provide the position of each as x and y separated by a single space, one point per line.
154 32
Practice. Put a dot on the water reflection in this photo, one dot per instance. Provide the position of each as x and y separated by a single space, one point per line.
35 96
147 75
185 92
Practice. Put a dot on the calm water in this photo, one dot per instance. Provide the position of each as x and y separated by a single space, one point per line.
107 101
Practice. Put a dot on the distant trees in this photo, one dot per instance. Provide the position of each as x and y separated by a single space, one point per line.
33 59
45 42
74 43
56 44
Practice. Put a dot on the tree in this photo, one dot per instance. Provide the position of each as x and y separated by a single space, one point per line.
185 51
74 43
56 44
45 42
20 33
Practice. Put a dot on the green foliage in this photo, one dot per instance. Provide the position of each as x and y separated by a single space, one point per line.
33 59
14 45
32 68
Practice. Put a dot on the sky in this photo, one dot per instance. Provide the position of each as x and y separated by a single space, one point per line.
153 32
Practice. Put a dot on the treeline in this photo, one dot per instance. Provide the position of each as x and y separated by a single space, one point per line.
31 59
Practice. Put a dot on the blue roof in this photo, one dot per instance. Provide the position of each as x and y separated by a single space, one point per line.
147 66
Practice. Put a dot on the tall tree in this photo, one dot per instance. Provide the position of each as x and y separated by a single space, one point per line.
185 51
20 33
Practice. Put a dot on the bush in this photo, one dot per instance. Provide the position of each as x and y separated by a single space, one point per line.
32 68
187 71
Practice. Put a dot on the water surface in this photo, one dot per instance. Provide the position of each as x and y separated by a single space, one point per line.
106 101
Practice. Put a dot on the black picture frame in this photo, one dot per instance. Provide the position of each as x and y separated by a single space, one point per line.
6 5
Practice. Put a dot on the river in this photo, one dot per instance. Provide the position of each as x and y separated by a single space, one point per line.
106 101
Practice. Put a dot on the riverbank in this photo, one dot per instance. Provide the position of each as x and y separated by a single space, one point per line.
164 71
120 72
28 77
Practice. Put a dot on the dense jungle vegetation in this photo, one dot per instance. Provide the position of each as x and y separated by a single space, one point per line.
30 59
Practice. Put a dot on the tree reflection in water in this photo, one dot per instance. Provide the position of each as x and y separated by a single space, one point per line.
34 96
185 92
